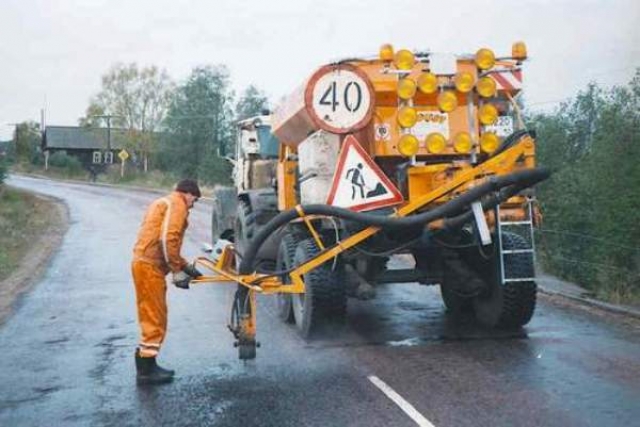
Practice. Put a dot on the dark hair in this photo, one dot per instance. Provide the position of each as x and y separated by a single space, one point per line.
188 186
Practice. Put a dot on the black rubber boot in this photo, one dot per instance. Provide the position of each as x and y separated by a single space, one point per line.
148 371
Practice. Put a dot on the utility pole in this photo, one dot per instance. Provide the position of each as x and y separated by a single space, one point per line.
108 118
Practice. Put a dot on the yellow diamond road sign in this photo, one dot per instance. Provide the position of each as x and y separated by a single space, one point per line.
123 155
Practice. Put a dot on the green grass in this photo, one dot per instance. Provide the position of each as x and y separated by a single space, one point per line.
152 179
53 172
23 217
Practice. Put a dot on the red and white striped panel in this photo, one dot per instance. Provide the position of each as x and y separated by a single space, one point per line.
508 80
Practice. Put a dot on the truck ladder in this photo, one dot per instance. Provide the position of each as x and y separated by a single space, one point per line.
523 228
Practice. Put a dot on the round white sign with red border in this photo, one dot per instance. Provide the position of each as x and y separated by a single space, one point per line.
340 98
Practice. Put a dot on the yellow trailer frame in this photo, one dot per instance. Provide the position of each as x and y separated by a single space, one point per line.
519 156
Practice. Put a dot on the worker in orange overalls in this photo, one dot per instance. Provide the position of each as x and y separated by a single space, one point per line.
156 254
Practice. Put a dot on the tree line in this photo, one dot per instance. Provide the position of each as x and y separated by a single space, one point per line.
591 205
179 128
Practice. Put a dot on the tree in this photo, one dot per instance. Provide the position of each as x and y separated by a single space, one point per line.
27 141
137 99
252 102
591 205
199 124
3 170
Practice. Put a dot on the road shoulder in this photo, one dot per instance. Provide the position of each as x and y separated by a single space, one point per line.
36 261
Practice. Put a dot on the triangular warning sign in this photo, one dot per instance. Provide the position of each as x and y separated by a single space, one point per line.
358 183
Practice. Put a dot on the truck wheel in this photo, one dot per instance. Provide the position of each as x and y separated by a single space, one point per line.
223 213
455 303
510 305
245 225
285 261
455 276
324 303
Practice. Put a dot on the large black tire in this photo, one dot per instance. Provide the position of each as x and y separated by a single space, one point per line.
285 261
223 213
245 227
510 305
324 303
455 303
453 280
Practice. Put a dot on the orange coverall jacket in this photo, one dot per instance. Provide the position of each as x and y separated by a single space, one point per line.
160 236
156 253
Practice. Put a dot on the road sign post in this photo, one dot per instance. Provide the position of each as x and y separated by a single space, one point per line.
123 158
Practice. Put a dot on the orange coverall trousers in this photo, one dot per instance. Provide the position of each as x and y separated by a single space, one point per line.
151 296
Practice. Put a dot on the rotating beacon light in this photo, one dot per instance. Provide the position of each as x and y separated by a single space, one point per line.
485 58
488 114
447 101
386 53
489 142
464 81
436 143
408 145
519 51
486 87
407 117
462 142
404 59
428 83
406 89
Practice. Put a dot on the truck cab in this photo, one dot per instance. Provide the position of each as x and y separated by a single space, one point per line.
252 199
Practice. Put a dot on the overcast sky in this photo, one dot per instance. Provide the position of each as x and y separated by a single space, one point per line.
55 51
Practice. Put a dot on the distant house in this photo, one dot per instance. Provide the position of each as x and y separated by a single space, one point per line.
94 147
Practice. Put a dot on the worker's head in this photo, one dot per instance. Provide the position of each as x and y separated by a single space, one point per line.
190 188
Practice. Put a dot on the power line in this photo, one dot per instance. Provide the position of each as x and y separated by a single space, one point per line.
593 264
586 236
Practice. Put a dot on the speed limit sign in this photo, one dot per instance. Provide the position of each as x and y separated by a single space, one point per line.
339 98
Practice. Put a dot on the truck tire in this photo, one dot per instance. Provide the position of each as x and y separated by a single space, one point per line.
324 303
510 305
455 303
285 261
245 226
223 213
454 281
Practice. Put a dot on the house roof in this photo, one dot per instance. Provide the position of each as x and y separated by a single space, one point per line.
74 137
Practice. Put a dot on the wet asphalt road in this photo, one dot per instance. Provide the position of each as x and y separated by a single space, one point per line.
67 352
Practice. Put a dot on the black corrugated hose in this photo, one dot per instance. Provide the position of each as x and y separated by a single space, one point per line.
513 182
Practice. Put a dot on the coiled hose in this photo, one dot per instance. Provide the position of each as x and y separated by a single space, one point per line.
513 182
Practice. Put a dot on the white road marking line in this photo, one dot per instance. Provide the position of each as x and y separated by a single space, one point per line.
399 400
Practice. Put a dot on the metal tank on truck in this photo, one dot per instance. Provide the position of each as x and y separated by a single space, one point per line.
406 152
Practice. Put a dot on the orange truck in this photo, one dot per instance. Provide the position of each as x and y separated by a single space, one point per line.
414 153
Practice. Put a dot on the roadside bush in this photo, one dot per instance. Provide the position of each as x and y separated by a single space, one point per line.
61 159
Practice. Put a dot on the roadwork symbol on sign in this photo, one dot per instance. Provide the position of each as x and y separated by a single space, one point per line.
358 182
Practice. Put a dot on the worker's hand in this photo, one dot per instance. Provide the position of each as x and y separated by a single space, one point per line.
191 270
181 280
